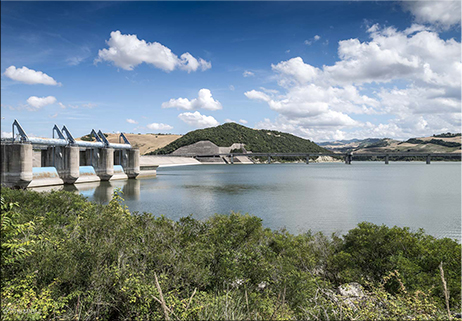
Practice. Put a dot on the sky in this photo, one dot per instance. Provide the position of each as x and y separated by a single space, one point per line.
321 70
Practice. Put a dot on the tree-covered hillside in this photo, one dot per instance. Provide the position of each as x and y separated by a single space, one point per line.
255 140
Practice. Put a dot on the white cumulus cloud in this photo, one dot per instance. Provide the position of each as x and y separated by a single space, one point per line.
257 95
204 100
243 121
248 74
422 57
159 126
422 95
440 13
198 120
127 52
29 76
295 70
131 121
39 102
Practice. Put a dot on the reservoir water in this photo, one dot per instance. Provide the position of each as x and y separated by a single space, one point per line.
327 197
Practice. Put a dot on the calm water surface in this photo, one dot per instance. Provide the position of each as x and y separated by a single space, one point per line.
329 197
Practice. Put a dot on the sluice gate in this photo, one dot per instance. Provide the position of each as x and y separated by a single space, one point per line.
31 162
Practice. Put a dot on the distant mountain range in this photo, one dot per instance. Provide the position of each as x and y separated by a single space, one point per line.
442 143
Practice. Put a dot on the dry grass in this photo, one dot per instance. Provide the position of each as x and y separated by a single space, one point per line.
146 142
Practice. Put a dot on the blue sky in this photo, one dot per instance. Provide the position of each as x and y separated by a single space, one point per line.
320 70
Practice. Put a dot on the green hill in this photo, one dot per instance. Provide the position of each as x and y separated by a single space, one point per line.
255 140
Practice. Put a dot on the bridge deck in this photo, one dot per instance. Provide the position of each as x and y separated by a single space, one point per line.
398 154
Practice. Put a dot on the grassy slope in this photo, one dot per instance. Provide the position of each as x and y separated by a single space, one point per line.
254 140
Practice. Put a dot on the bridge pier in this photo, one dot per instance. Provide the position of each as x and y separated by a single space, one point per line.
386 159
348 158
428 159
269 160
16 165
231 159
307 159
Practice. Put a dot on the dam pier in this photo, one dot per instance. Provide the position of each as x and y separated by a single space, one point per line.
32 162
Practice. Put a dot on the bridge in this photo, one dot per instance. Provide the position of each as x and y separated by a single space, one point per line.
348 157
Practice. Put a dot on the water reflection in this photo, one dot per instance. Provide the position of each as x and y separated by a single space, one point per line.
229 188
101 192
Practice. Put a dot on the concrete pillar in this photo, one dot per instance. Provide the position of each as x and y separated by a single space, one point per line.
232 159
307 159
68 165
131 163
428 159
347 159
66 160
104 163
269 159
16 165
386 159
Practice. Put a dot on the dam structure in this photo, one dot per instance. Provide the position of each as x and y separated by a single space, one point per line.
33 162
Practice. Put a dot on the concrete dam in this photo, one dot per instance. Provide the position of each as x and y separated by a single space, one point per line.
33 162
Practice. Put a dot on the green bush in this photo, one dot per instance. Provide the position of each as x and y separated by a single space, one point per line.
89 261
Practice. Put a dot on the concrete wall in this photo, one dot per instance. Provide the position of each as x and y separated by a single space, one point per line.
204 147
164 161
227 150
37 158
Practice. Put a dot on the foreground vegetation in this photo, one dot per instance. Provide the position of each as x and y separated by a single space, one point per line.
65 258
255 140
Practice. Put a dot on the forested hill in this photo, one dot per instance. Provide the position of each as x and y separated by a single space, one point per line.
255 140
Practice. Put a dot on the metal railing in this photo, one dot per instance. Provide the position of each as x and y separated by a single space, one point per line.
101 141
